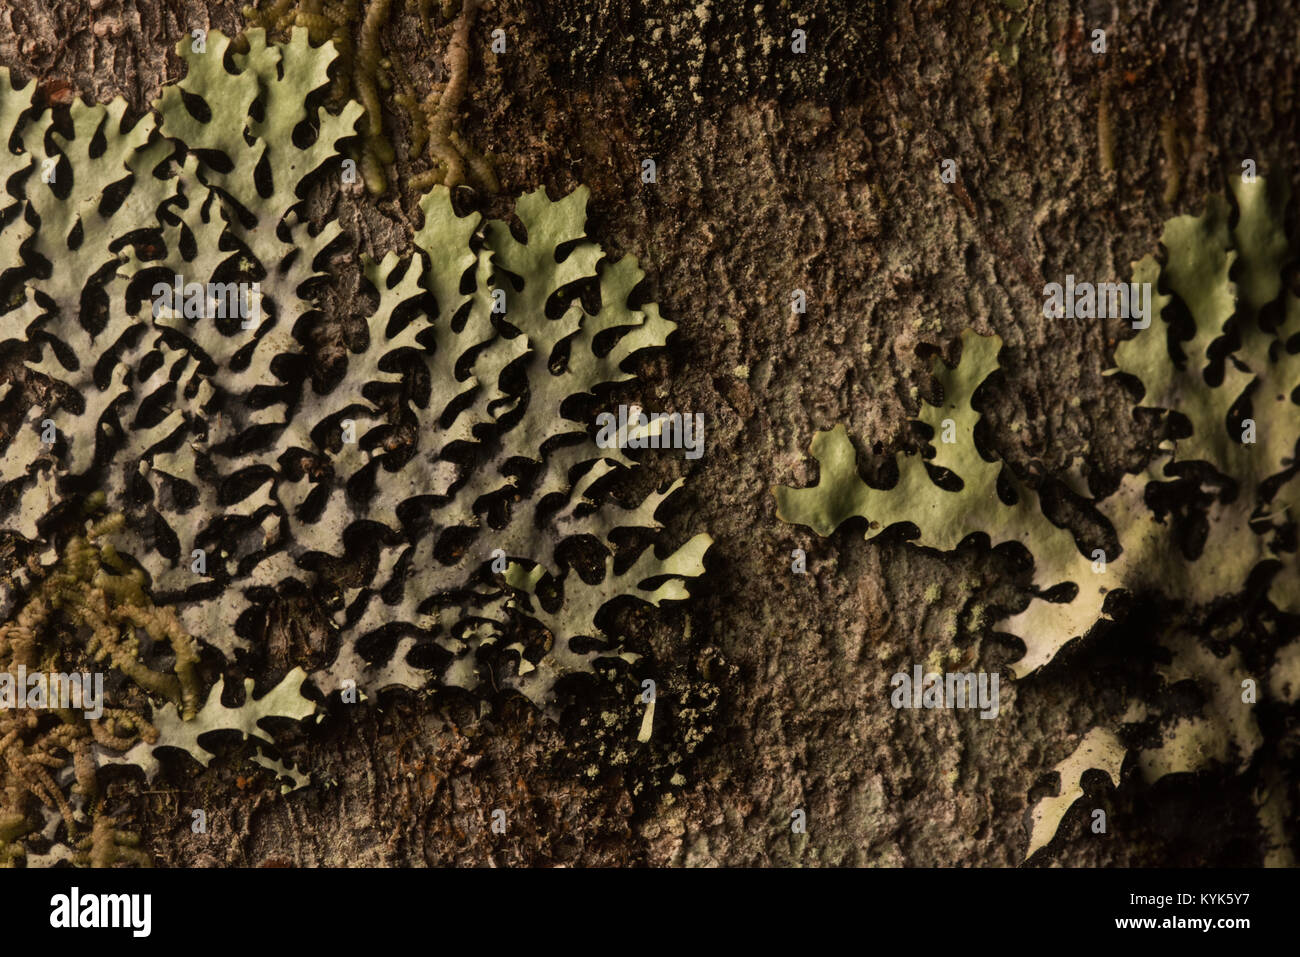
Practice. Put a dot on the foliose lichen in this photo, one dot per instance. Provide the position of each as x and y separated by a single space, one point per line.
1209 523
161 282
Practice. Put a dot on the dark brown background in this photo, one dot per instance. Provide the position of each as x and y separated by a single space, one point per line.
817 172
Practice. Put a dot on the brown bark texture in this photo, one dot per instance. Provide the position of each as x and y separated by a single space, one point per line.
778 172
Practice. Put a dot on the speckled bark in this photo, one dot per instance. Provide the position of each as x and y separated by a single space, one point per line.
818 173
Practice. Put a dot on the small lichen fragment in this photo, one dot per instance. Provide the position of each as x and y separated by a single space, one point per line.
1226 399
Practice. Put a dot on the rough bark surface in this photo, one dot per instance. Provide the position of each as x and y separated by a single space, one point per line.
778 172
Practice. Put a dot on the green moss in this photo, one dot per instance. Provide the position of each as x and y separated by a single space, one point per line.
455 452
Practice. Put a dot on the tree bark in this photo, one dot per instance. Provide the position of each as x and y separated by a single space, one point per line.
780 171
